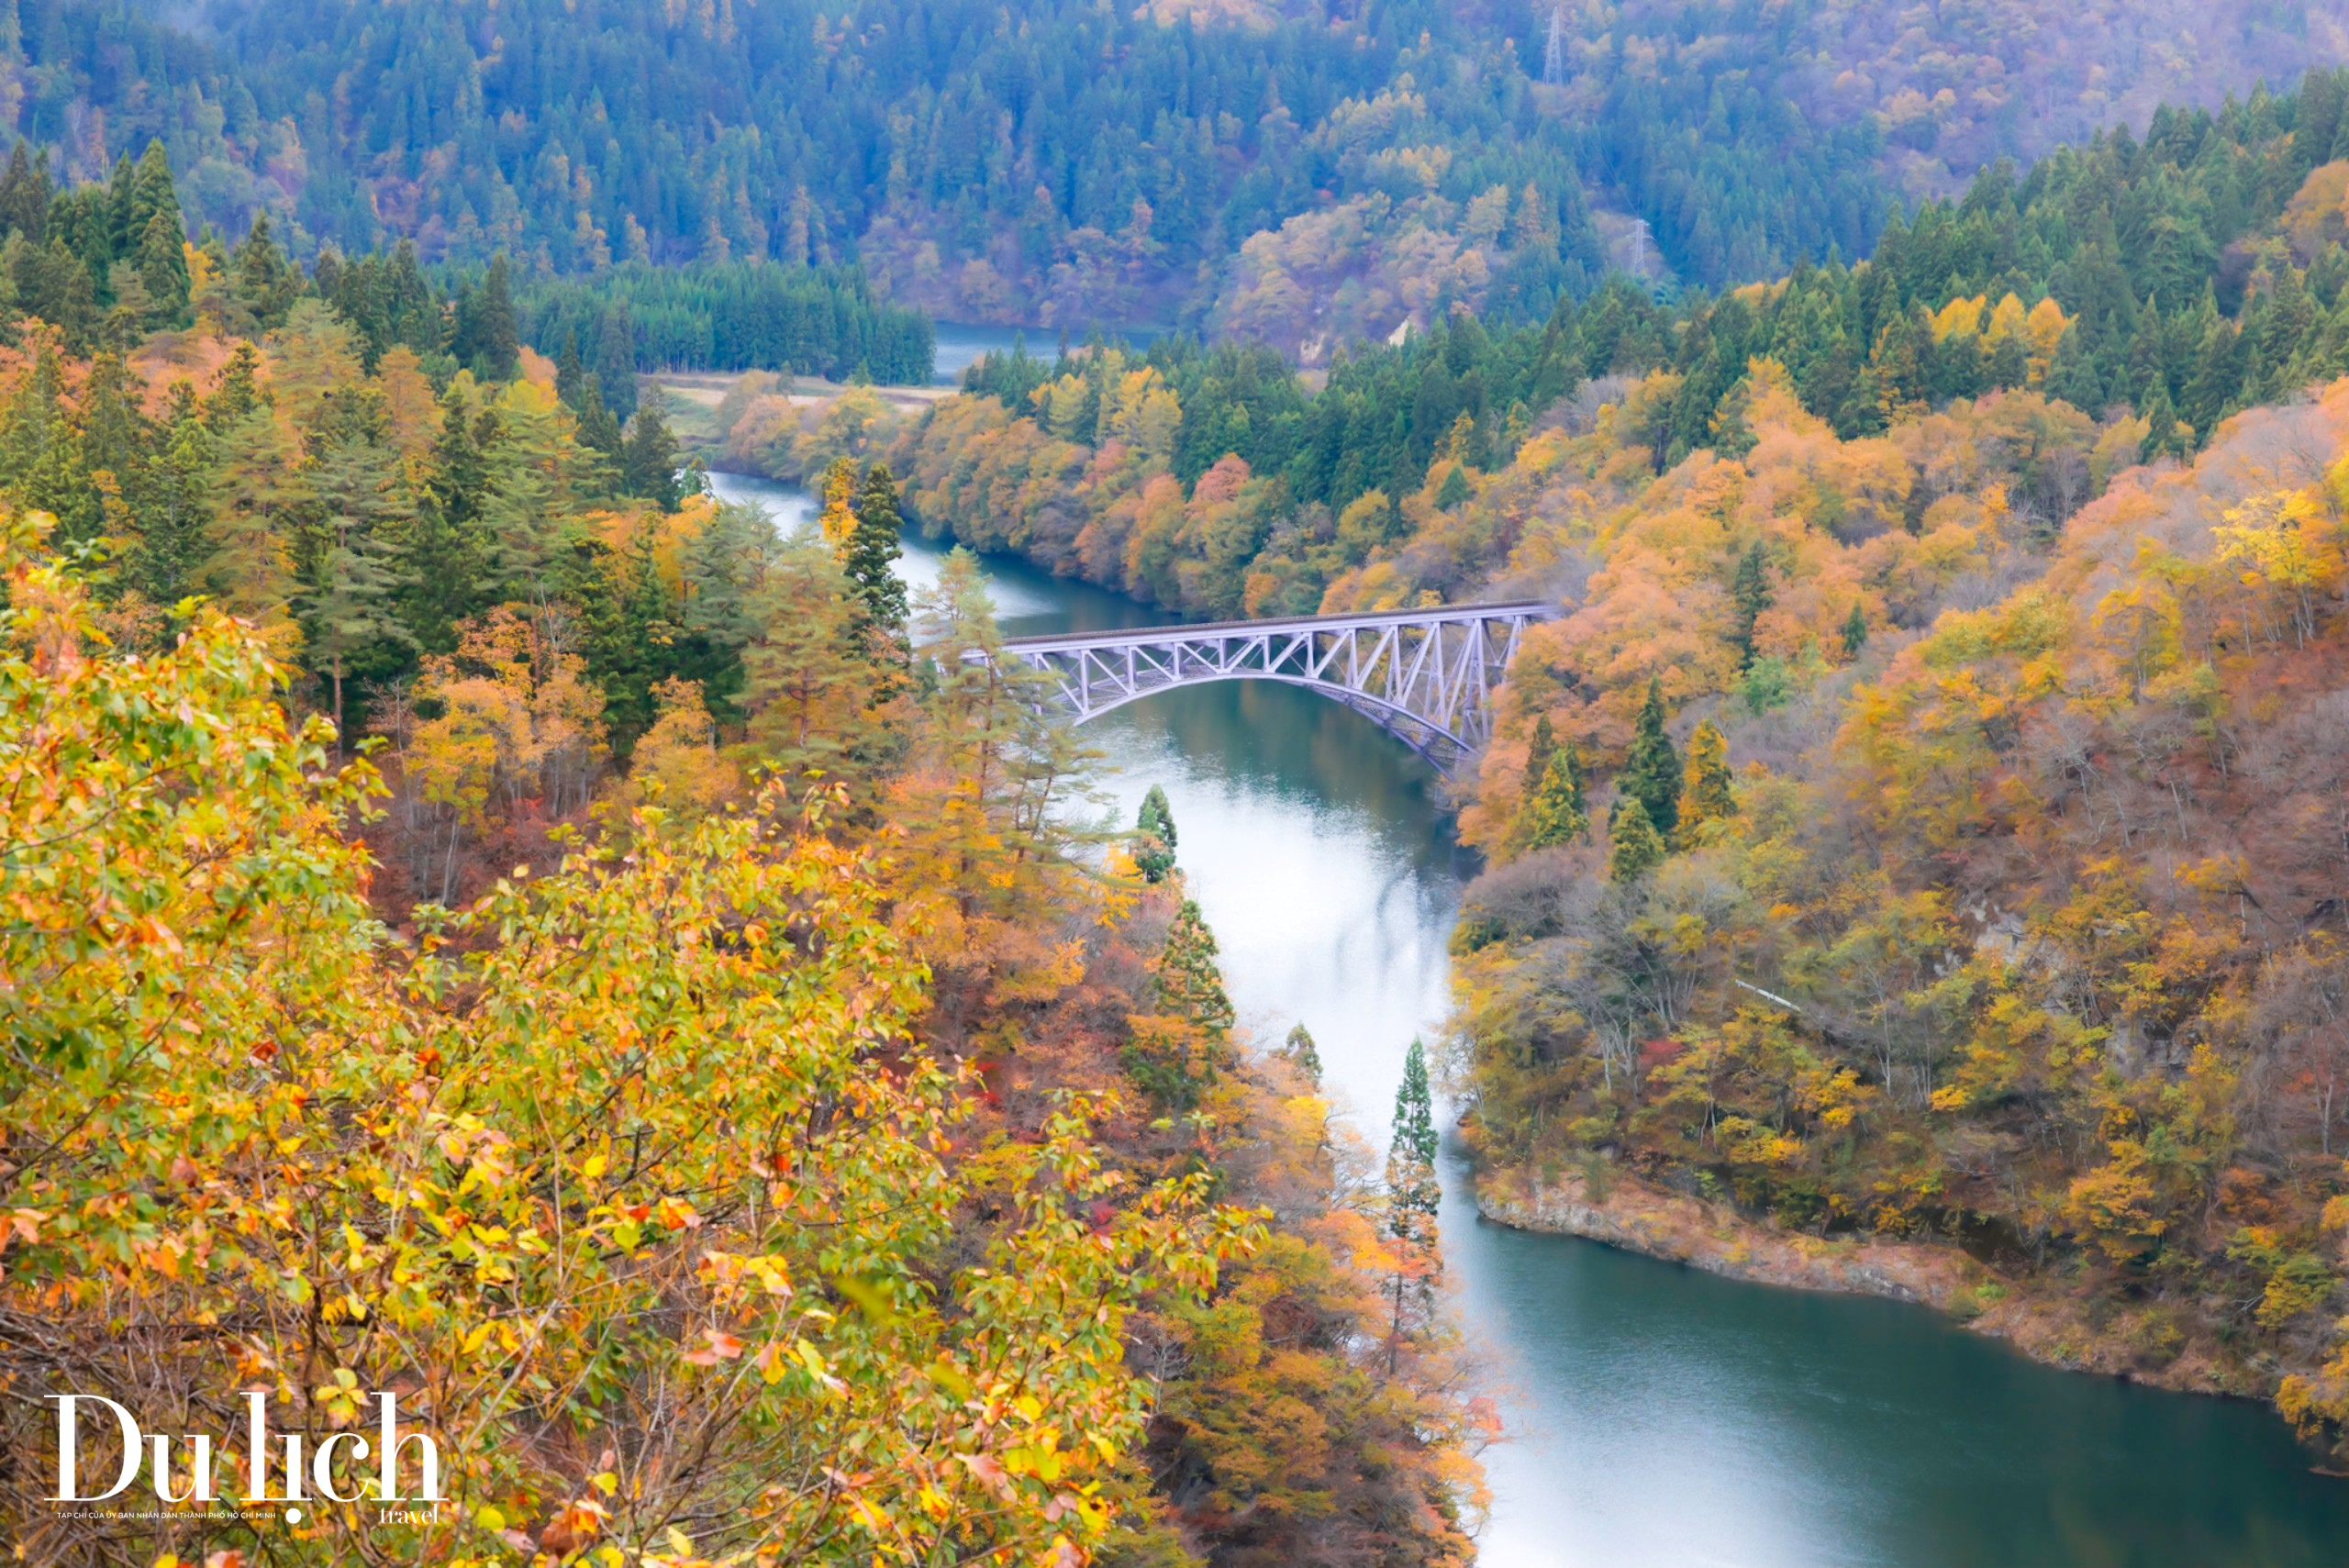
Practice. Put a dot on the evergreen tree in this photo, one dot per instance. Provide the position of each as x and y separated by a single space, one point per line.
175 510
42 462
1413 1196
1748 596
570 376
258 495
869 556
805 691
446 555
1454 488
496 347
1634 846
1553 815
616 361
1179 1051
649 459
1706 795
1300 1048
25 195
156 243
236 392
599 428
1856 631
1650 773
349 606
265 284
1154 837
1538 747
1188 983
725 565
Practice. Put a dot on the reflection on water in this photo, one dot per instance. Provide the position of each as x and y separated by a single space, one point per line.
960 346
1663 1419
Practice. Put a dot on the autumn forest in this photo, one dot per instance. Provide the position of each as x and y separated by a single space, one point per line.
648 984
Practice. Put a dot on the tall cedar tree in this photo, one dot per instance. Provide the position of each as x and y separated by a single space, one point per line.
1650 773
1300 1048
1634 846
1413 1194
649 459
869 556
1154 837
1554 813
1748 596
489 340
1538 748
1855 631
1189 984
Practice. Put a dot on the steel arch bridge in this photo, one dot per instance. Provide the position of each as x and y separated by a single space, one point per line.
1426 676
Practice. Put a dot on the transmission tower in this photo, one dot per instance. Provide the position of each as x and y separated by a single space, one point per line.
1553 53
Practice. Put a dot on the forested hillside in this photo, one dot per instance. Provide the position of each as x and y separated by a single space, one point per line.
489 925
1925 818
1297 174
2135 293
1973 880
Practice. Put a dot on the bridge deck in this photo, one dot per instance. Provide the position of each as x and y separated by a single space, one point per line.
1175 630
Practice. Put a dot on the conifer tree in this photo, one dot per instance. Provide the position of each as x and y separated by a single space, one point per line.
599 429
250 568
1413 1196
1553 813
1706 793
349 606
1299 1048
869 556
446 555
1634 846
616 361
156 243
175 509
1650 773
1538 747
496 346
236 390
1856 631
264 283
649 459
1454 488
1154 837
807 690
25 193
570 376
1188 983
1748 596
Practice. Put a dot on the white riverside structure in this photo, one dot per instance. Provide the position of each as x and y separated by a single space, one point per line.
1425 676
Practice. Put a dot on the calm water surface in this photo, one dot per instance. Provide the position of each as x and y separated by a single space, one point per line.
960 346
1661 1417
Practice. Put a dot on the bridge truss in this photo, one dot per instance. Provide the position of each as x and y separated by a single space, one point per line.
1426 676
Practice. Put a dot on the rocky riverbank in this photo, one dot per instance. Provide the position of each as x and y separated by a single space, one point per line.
2038 1316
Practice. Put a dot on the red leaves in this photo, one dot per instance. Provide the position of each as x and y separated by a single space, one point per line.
716 1346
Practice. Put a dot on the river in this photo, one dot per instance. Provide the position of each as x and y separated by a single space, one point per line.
960 346
1660 1418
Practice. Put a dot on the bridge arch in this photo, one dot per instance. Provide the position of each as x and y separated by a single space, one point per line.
1424 675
